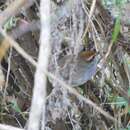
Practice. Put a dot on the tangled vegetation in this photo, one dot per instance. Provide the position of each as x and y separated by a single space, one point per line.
88 76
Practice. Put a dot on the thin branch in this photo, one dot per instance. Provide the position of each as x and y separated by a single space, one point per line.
39 92
93 26
8 73
90 16
7 127
17 47
104 59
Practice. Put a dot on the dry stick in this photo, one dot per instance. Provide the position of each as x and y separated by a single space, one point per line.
108 51
72 90
95 31
18 48
39 92
90 16
102 62
8 127
8 73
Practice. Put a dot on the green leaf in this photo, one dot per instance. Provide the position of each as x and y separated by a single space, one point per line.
10 23
15 106
129 91
129 109
129 96
116 30
128 127
121 102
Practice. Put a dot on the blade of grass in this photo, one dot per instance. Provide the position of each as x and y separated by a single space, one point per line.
116 30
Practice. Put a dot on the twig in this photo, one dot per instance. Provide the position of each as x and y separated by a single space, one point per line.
93 26
108 51
90 16
18 48
102 62
39 92
8 72
7 127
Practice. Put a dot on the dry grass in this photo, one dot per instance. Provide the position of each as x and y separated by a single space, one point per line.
80 27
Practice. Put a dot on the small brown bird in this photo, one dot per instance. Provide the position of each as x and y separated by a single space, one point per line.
76 71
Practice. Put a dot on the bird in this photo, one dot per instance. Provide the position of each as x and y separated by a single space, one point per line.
77 70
